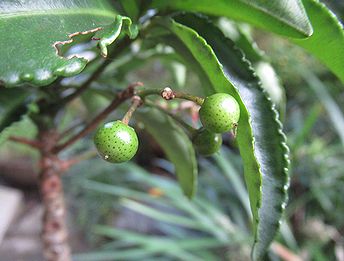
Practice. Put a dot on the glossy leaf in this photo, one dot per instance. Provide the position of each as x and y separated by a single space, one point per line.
34 33
175 143
260 138
285 17
327 41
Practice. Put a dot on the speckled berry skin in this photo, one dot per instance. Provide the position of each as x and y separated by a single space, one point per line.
116 142
219 112
206 142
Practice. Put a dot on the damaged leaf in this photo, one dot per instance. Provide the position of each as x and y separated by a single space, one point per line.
33 31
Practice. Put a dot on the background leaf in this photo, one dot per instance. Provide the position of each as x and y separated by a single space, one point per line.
13 111
175 143
327 41
11 105
285 17
34 31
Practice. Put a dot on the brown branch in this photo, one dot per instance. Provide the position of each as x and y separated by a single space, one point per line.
120 98
67 164
54 230
32 143
71 129
118 49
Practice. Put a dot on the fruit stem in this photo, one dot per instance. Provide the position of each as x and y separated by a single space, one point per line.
192 131
168 94
186 96
145 92
136 102
189 128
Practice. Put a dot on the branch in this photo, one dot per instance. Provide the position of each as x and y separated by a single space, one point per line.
32 143
185 125
67 164
168 94
120 98
54 234
71 129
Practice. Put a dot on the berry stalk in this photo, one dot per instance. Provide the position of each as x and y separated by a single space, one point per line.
168 94
192 131
136 102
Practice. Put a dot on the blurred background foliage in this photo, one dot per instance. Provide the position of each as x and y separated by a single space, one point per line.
136 211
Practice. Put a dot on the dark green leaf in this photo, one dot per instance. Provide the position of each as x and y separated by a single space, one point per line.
12 105
34 32
176 144
12 128
13 110
327 41
285 17
260 138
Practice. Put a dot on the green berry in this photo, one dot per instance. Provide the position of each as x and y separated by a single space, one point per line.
207 142
116 142
219 112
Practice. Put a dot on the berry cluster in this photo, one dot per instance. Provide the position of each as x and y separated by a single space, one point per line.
117 142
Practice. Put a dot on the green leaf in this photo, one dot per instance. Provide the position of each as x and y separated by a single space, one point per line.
13 111
35 32
176 144
285 17
12 105
12 129
327 41
260 137
334 111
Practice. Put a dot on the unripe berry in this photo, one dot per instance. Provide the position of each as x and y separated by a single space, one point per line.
219 112
207 142
116 142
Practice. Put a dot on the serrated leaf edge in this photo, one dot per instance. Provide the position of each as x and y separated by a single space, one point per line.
283 142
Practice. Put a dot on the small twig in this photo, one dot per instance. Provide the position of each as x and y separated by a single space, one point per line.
32 143
120 98
186 126
67 164
136 102
71 129
168 94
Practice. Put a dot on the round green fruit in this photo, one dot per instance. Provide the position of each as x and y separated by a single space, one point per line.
116 142
207 142
219 112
